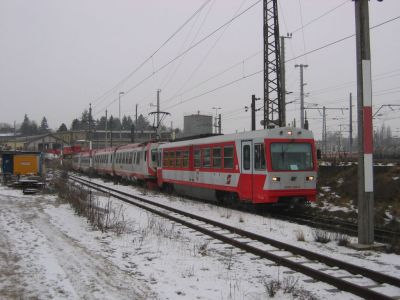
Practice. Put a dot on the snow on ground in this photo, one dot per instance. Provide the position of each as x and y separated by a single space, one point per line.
47 252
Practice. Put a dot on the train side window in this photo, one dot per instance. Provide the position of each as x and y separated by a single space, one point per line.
259 157
165 159
216 158
246 157
138 157
178 159
145 155
197 158
228 157
185 159
172 159
206 157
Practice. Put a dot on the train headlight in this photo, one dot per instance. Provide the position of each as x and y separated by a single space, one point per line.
310 178
276 179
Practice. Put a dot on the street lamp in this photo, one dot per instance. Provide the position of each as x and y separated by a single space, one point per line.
216 118
119 113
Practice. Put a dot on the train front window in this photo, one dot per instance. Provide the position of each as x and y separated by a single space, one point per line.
291 156
259 157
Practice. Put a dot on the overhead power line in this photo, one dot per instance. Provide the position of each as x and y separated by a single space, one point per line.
341 40
154 53
320 17
186 51
250 75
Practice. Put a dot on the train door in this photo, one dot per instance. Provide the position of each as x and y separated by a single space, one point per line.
247 169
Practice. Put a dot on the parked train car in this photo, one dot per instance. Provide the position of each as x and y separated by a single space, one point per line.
265 166
136 162
81 161
103 161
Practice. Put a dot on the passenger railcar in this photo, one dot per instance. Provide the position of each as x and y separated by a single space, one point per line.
136 162
265 166
81 161
103 161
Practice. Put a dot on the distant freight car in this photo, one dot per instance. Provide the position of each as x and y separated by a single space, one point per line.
22 163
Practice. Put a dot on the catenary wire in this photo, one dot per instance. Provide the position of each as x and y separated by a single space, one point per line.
154 53
184 52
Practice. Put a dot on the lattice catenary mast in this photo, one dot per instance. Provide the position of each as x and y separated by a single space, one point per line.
273 106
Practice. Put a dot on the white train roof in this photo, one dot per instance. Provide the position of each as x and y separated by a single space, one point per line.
274 133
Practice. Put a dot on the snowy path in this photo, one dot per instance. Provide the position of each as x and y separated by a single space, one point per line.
38 260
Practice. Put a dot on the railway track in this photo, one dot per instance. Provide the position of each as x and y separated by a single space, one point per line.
317 266
381 234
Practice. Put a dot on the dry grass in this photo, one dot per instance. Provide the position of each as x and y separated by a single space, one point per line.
321 236
289 285
106 217
300 235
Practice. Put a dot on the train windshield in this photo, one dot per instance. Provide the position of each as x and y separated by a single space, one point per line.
291 156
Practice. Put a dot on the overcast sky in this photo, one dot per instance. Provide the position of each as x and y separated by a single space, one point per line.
57 56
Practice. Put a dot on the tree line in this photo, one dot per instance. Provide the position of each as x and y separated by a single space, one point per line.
29 127
113 123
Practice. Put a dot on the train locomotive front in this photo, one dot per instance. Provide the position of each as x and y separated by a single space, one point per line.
271 166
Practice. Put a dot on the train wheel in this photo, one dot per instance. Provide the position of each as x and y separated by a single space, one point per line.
168 188
233 200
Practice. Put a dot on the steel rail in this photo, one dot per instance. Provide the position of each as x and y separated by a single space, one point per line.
316 274
381 234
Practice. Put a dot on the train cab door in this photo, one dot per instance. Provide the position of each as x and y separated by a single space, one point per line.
247 170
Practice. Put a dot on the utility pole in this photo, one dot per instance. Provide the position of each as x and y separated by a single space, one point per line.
219 124
135 128
158 113
136 115
351 126
301 93
106 131
119 115
15 137
324 130
90 135
272 66
365 135
90 123
216 119
253 112
283 78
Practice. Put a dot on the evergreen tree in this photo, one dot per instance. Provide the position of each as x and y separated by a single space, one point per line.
101 123
142 123
33 128
126 123
25 126
76 124
85 120
44 127
111 123
62 128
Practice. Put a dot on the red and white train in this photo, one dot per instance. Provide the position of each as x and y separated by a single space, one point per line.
276 165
